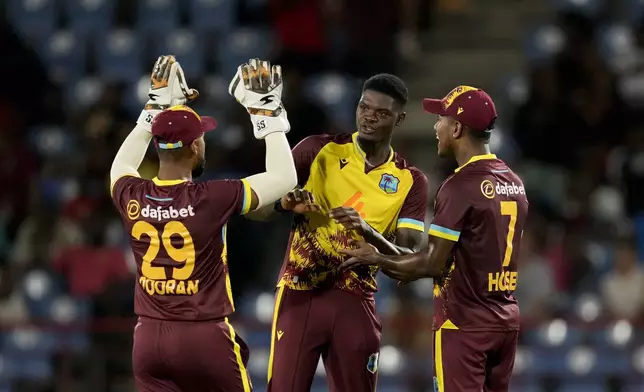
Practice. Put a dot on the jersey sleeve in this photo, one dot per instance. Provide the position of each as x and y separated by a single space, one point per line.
229 197
412 213
450 210
304 154
123 189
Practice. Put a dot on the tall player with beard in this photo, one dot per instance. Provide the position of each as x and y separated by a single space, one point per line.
352 186
183 340
474 241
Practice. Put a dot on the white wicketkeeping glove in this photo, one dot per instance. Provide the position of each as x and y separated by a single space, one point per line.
258 87
168 88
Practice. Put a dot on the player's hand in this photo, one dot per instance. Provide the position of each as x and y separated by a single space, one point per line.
168 87
258 86
350 219
300 201
361 253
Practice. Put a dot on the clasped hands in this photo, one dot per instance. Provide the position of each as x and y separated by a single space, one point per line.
360 252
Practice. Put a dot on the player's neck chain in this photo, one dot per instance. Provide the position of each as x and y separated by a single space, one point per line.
371 165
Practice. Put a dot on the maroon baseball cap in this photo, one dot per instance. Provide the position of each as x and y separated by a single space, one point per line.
471 106
179 126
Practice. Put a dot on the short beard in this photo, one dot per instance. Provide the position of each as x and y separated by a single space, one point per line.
199 168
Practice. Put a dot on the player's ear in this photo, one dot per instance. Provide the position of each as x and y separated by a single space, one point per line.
458 130
194 147
401 119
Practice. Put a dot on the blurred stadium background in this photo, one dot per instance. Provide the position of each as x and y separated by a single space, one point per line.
568 79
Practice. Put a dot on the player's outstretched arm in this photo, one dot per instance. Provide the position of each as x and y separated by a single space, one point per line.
428 263
258 87
167 88
350 219
410 227
263 214
298 200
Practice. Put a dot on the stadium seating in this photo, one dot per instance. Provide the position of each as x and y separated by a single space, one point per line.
239 46
65 52
51 141
587 7
635 10
92 17
40 289
212 16
639 232
34 19
187 46
338 95
157 16
136 94
29 350
515 90
84 92
119 57
543 42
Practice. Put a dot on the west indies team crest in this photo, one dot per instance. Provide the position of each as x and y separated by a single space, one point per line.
389 183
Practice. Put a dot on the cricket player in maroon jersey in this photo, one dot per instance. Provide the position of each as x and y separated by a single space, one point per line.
352 186
474 241
183 340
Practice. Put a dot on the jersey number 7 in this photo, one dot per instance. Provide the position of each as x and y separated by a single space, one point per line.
509 208
506 280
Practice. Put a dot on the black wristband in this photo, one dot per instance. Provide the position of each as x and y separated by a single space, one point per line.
278 206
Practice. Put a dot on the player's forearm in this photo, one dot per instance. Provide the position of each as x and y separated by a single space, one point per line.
262 214
409 267
385 247
131 154
280 175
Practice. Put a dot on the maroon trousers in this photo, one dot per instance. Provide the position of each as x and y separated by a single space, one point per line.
180 356
340 327
473 361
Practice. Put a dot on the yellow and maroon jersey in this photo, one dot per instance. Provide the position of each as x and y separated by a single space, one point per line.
483 208
178 237
390 196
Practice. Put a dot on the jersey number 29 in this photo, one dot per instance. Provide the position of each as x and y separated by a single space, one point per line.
184 254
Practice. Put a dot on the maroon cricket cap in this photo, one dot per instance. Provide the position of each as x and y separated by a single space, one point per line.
179 126
471 106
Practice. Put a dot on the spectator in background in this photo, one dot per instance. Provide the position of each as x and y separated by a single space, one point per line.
627 169
12 305
17 167
301 36
408 43
306 117
371 27
578 269
42 235
593 106
622 288
536 122
536 290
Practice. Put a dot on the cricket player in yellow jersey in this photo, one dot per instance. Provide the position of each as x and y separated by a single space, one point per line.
351 186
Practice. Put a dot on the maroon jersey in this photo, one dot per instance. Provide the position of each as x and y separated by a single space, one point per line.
178 236
482 207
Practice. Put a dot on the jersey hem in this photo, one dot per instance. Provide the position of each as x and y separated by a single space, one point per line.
208 320
484 329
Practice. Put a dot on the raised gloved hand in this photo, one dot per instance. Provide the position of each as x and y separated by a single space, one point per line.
258 87
168 87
